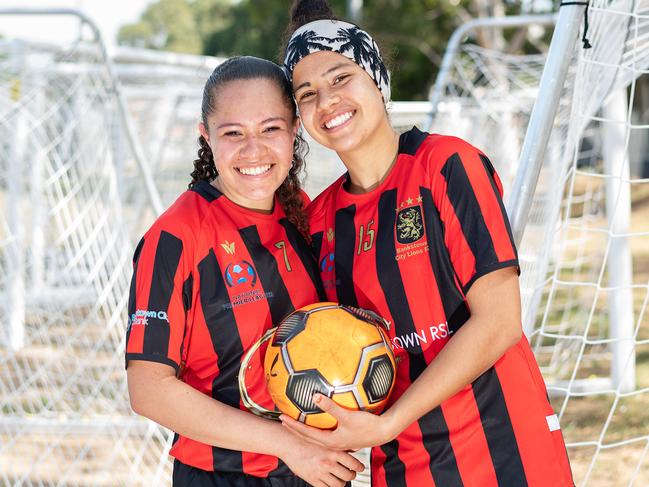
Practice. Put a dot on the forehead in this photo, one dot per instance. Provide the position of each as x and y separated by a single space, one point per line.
240 99
261 87
319 64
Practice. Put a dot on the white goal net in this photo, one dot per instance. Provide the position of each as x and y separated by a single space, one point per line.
587 291
65 265
74 205
585 251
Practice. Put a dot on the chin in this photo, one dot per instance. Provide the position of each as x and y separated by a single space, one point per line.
346 142
342 146
260 195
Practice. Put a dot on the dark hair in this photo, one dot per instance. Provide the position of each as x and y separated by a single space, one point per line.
246 68
305 11
302 12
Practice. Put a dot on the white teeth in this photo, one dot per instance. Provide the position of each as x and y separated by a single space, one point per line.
339 120
254 170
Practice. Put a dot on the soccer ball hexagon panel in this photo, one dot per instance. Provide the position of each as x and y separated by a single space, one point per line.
339 351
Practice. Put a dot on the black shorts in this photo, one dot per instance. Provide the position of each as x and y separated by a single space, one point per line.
187 476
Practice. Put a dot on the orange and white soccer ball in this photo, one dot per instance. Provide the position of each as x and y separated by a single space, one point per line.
342 352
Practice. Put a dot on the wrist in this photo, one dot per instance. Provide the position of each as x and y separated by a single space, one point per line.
390 425
284 442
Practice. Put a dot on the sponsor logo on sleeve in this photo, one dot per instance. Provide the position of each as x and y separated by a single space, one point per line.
142 316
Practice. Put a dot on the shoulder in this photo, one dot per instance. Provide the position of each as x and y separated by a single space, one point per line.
434 150
305 198
325 201
184 216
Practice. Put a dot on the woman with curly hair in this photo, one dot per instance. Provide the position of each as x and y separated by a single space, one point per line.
226 262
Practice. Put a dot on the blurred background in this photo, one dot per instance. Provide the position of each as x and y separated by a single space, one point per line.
99 103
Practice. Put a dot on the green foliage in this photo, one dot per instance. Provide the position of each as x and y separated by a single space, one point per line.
139 34
412 33
167 24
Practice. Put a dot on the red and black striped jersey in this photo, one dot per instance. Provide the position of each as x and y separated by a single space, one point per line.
210 277
410 250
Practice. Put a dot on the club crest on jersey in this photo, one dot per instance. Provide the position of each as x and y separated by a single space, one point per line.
409 225
240 273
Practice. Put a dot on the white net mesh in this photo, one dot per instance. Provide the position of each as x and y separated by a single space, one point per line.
64 277
163 93
73 208
585 254
587 301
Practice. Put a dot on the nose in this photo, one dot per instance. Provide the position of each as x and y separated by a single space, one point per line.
252 148
327 99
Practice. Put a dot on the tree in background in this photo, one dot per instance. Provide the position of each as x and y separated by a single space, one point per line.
412 33
169 25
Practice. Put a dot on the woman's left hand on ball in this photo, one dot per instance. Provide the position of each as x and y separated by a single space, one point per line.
355 430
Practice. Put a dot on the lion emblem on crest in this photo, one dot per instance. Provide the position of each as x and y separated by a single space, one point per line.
409 226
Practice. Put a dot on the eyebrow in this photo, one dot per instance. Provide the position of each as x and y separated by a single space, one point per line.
236 124
333 68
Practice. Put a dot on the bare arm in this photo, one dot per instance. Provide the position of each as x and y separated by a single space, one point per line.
494 326
157 394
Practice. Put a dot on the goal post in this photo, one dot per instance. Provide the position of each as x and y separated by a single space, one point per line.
620 265
585 249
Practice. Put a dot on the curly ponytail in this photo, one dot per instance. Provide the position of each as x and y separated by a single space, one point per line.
289 193
204 167
245 68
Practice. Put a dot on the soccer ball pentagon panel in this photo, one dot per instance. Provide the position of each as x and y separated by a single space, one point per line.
339 351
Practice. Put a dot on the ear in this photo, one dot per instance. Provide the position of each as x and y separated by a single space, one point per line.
203 131
296 126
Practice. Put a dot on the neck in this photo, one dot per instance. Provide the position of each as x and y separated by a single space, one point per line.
370 164
265 207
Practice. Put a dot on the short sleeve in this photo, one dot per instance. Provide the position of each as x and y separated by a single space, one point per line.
468 195
160 296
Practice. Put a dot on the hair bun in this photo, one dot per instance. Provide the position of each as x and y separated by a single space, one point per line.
305 11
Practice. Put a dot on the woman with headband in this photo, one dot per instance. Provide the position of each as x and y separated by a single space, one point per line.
418 233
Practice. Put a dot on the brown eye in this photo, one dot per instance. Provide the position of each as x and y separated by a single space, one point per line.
305 95
340 78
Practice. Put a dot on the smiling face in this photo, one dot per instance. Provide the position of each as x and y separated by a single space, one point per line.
340 106
251 134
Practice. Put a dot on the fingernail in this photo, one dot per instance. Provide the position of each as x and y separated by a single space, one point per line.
317 398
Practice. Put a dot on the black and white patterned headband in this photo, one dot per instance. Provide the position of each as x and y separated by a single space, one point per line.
345 39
